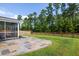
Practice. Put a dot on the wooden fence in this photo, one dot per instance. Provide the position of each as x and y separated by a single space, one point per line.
22 33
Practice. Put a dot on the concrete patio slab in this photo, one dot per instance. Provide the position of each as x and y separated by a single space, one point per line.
22 45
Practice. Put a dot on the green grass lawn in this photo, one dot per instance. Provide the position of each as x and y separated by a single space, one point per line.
61 46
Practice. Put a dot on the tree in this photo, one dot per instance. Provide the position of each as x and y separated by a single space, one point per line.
25 25
30 19
57 17
42 20
19 17
50 17
51 20
34 21
56 6
70 12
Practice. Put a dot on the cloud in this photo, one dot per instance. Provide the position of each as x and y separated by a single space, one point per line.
15 16
24 17
9 14
2 12
6 13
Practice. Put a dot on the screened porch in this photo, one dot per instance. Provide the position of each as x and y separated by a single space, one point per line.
9 28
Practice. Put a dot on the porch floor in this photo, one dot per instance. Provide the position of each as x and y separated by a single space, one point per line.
22 45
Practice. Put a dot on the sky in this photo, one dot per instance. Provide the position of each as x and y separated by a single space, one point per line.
13 9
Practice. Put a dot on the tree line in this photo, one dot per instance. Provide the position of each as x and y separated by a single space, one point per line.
56 17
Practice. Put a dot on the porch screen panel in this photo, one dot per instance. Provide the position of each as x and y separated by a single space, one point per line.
2 30
11 30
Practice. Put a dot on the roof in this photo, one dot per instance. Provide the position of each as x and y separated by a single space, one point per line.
6 19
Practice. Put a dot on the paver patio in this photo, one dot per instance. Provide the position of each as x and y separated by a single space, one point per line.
22 45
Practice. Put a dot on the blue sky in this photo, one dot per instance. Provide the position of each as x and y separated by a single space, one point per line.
13 9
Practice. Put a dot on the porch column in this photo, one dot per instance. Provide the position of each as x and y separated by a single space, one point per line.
5 30
18 29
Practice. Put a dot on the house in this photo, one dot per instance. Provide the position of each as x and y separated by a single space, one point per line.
9 28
